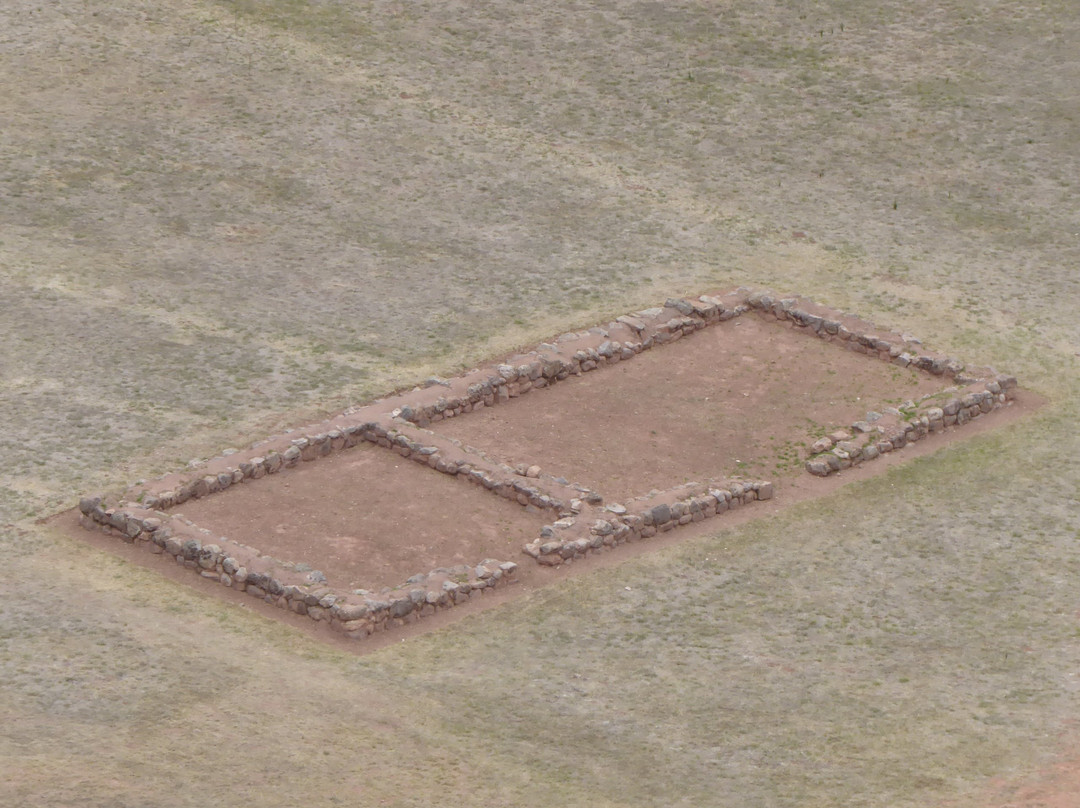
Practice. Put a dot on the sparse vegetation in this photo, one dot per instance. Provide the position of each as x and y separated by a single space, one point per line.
223 217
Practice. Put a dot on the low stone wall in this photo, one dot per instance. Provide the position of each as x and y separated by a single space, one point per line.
435 453
383 421
869 441
983 389
598 347
583 523
357 614
575 537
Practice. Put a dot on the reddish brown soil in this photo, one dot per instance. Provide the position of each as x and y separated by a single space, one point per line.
733 399
1054 786
368 518
737 398
531 576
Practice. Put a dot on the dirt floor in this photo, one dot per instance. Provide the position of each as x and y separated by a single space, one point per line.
746 397
368 518
794 489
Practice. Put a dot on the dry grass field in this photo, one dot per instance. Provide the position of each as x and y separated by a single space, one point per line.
219 218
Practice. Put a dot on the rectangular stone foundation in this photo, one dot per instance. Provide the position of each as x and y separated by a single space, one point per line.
580 520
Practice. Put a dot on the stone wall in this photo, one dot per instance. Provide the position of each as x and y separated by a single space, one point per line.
978 391
435 453
572 537
356 614
574 354
582 522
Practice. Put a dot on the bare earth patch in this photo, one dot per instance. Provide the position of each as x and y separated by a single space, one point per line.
1055 785
746 397
404 517
368 518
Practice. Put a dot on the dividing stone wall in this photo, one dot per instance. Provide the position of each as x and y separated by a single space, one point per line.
435 453
583 524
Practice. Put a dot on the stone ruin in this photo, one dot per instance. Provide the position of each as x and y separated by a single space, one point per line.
582 522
